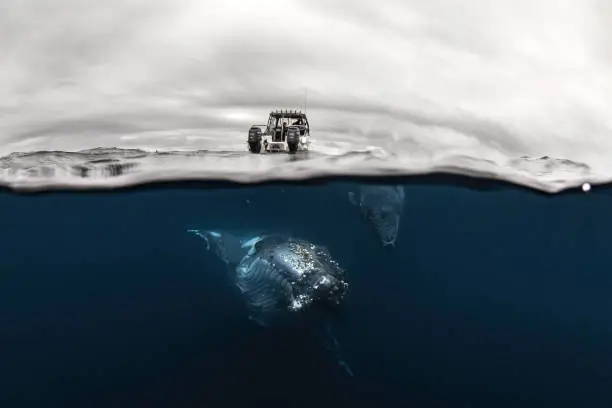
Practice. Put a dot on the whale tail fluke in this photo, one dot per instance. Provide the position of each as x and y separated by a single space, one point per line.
333 346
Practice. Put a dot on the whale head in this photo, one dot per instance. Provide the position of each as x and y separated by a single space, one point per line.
386 222
383 207
315 278
289 279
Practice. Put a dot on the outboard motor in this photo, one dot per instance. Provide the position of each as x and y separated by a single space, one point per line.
255 139
293 139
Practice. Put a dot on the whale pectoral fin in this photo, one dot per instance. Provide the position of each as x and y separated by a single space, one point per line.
251 244
202 235
227 246
352 198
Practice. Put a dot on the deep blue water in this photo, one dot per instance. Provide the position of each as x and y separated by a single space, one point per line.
499 298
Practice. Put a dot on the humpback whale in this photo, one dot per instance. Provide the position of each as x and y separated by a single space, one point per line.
283 279
383 207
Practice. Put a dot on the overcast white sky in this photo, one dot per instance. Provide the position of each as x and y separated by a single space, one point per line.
523 76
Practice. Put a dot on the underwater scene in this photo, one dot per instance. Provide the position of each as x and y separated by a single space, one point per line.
305 203
429 292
